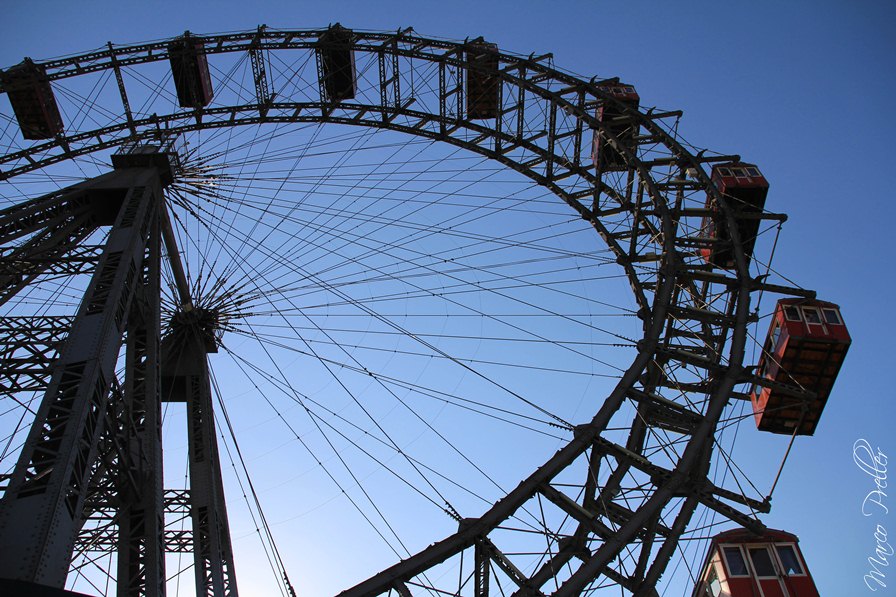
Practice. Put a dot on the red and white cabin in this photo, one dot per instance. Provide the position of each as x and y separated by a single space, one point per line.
189 66
805 347
483 84
31 95
741 564
746 189
608 158
337 60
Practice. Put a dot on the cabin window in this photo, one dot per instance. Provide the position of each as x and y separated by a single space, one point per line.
735 560
753 172
792 313
713 586
724 172
776 333
811 315
757 389
790 563
762 562
831 316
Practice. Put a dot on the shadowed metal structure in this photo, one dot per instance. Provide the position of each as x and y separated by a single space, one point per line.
614 511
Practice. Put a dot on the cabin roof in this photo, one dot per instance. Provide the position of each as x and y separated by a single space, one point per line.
745 536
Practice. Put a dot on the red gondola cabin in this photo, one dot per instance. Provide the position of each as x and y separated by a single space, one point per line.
32 99
483 84
746 189
611 113
337 61
741 564
189 66
805 347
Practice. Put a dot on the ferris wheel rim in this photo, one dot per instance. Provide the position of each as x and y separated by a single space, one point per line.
672 269
116 57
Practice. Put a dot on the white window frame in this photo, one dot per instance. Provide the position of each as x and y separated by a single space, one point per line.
812 308
787 317
728 565
776 335
799 560
772 558
835 312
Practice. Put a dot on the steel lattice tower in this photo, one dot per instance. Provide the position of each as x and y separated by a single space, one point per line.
95 444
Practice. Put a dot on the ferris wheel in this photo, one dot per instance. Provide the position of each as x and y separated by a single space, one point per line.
467 323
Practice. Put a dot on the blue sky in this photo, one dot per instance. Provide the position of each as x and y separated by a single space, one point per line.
803 89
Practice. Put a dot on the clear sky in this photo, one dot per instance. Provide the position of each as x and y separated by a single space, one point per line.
803 89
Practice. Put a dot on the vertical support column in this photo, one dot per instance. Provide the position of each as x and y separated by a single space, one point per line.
141 547
213 554
41 511
186 375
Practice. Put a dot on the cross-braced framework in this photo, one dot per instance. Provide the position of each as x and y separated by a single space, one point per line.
318 179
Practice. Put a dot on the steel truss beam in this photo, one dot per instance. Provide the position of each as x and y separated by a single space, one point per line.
53 250
103 536
73 260
28 348
260 76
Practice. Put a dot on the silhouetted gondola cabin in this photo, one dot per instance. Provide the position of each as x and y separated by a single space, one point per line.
741 564
805 347
337 63
611 113
32 99
483 83
746 188
189 66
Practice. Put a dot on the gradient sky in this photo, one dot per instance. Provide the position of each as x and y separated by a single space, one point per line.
803 89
